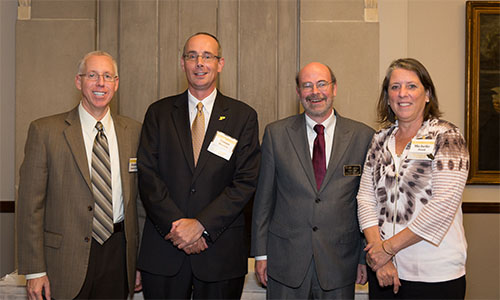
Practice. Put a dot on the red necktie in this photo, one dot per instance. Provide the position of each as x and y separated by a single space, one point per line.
319 157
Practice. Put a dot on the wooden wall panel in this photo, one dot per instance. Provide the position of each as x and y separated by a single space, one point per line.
351 50
63 9
45 78
258 62
288 58
195 16
228 33
107 33
138 46
332 10
108 21
170 74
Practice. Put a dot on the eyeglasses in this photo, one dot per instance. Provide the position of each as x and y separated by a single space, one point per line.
93 76
321 85
205 57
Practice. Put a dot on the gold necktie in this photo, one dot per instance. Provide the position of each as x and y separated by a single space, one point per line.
198 132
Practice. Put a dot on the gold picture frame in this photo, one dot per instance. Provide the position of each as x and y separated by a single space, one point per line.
483 90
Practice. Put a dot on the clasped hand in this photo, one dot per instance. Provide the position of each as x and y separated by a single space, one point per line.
380 262
376 257
186 234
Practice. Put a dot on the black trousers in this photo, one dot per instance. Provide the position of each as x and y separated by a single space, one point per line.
452 289
184 285
107 270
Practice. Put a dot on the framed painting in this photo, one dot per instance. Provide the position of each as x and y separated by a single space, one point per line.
483 91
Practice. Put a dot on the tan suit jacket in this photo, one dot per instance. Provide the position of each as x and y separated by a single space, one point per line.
55 203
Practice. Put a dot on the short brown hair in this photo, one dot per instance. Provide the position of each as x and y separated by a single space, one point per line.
386 115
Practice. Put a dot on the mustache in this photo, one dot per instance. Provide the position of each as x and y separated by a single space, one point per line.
315 97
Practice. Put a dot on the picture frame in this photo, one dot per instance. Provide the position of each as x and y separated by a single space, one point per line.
483 91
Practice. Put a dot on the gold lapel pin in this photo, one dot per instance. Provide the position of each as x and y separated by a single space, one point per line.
222 118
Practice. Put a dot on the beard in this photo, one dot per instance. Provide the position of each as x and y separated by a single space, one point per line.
313 100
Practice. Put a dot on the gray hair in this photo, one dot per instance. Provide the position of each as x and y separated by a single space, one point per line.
83 62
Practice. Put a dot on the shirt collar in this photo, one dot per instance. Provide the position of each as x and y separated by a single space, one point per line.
208 102
88 121
328 123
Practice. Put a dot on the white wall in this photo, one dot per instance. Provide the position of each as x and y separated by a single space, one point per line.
432 31
8 13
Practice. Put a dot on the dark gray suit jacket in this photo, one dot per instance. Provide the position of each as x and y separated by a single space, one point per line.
292 220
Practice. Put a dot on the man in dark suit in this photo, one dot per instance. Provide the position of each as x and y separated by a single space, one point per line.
198 160
76 213
305 232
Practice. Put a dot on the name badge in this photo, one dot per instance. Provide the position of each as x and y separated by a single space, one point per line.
132 165
352 170
222 145
421 149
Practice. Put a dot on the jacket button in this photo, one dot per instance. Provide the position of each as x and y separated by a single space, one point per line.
317 200
86 239
89 208
193 190
315 228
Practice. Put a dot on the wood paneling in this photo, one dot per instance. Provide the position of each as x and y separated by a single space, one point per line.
138 48
45 78
170 75
7 206
480 208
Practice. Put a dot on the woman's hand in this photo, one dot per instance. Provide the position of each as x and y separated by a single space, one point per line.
376 256
388 275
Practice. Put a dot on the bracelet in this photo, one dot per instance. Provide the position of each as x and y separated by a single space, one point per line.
387 252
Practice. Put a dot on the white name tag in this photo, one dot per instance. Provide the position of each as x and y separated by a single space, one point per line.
222 145
421 149
132 165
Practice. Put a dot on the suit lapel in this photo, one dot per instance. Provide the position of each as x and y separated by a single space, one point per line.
124 152
180 116
74 138
341 140
215 124
298 137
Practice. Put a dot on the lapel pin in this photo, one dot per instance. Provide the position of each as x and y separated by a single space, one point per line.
222 118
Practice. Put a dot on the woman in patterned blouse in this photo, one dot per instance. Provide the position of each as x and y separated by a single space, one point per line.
410 193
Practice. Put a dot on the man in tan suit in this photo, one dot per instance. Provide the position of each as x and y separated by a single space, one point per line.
76 210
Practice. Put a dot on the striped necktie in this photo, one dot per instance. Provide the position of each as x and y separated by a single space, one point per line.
101 187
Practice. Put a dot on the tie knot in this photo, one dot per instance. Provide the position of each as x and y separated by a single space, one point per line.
199 106
99 126
319 129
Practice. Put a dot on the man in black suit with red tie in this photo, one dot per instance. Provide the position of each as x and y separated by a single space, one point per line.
198 162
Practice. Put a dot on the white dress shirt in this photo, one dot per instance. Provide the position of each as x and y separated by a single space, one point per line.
89 133
329 125
208 105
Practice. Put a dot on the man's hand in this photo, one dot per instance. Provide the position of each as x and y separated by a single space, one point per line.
37 286
138 281
261 271
196 247
184 232
388 275
362 275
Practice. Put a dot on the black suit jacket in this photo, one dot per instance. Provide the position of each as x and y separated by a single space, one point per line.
215 192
